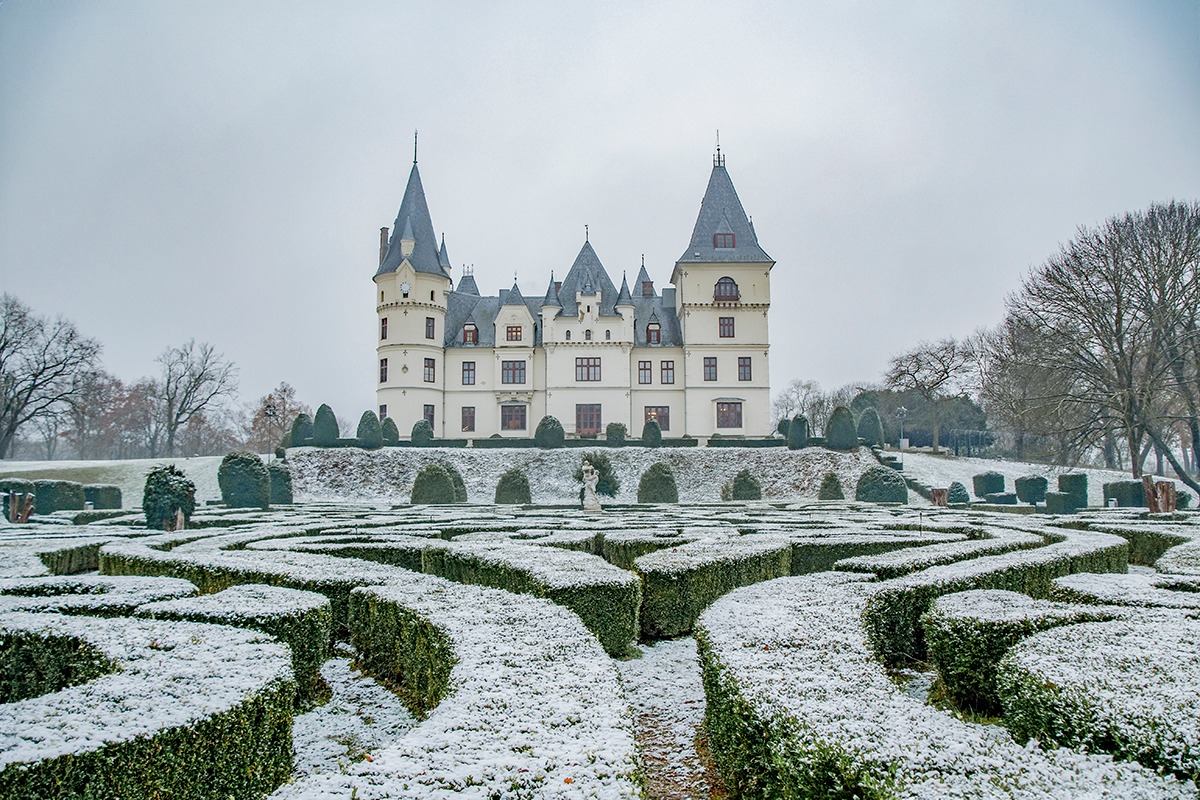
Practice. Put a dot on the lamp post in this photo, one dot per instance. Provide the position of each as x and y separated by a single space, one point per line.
901 413
270 414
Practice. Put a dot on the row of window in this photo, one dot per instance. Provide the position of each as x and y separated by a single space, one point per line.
513 333
587 369
587 417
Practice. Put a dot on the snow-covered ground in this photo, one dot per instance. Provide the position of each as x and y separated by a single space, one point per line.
130 475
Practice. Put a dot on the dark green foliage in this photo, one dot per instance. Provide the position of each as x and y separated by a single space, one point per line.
284 442
325 427
958 494
422 433
513 488
549 434
391 434
651 434
742 486
615 433
281 482
103 497
986 483
167 491
434 484
1183 500
1076 485
960 413
244 481
797 432
57 496
841 433
880 484
658 485
34 665
870 427
11 485
302 431
370 432
831 488
609 484
460 487
1001 498
1031 489
1059 503
782 426
1128 494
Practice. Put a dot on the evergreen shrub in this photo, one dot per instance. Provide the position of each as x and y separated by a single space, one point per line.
957 495
1128 494
831 488
370 432
285 442
797 432
167 491
880 484
1059 503
742 486
840 433
1183 501
391 434
513 488
658 485
281 482
782 426
651 433
870 428
986 483
302 430
615 433
55 495
422 433
609 484
102 496
244 481
1001 498
434 485
325 427
1031 489
1076 485
549 434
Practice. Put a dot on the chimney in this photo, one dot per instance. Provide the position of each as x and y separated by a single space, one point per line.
383 232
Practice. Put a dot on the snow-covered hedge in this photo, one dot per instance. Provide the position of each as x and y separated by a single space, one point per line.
1134 589
993 541
98 595
799 707
176 709
1127 687
301 620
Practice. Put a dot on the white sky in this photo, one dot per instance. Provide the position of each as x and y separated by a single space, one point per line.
220 170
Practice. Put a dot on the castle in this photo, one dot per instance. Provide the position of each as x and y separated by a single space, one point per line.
693 356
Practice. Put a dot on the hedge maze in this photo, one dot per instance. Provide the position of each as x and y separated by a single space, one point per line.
141 664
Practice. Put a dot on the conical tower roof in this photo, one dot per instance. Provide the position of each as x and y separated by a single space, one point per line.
413 222
514 298
721 212
624 298
551 298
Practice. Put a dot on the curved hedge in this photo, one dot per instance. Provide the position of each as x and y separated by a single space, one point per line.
281 482
957 494
870 428
391 434
651 434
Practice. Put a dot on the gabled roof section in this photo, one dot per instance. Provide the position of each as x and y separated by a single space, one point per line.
642 279
467 285
514 298
588 276
413 222
624 298
721 212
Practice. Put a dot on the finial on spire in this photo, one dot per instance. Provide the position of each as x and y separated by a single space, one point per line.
718 159
415 147
585 232
643 260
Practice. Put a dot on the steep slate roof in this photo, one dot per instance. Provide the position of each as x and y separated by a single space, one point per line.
587 275
466 284
514 297
624 298
721 212
642 279
443 256
413 221
551 298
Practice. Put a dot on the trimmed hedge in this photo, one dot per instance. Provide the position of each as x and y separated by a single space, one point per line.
370 431
434 485
9 485
513 488
325 427
281 482
389 431
1075 484
651 434
244 481
657 485
870 428
1060 503
1031 489
103 497
302 430
549 434
167 491
986 483
52 495
1001 498
831 488
797 433
1128 494
93 595
615 434
880 484
422 433
840 432
742 486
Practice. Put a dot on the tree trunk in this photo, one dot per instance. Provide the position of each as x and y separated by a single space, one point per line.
1190 480
1159 470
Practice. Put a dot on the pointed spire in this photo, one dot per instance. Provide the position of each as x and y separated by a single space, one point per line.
413 222
721 212
643 280
415 147
443 256
624 298
514 297
551 298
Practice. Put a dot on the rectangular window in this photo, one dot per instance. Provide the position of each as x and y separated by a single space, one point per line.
512 418
383 370
468 418
430 370
710 368
587 419
383 328
587 369
725 327
429 327
470 334
429 413
723 240
644 371
666 372
660 413
729 415
512 372
383 412
653 333
743 368
513 333
468 377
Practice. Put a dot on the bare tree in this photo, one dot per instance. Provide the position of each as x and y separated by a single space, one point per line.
273 417
194 378
808 398
42 366
935 371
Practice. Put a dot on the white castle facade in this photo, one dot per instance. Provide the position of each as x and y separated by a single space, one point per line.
693 355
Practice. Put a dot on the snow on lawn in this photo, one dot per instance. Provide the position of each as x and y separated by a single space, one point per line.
939 471
130 474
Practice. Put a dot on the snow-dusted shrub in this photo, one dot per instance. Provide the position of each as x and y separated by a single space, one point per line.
370 431
957 495
680 582
1075 484
657 485
302 430
244 481
1031 489
831 488
549 433
840 431
1128 494
1132 589
870 428
742 486
187 711
1183 501
301 620
904 561
391 434
968 633
623 548
422 433
781 427
1132 693
986 483
325 427
167 492
797 432
52 495
651 434
880 484
281 482
1001 498
103 497
95 595
1060 503
434 484
609 483
460 486
513 488
615 434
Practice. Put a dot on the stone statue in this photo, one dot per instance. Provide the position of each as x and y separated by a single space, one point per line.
591 502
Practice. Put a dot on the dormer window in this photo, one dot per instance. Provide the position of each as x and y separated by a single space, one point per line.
723 240
726 290
653 333
470 333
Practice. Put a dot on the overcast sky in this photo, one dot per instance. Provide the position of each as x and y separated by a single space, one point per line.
220 170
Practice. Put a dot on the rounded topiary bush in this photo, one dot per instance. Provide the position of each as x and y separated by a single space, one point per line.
615 434
870 428
167 492
831 488
958 495
302 430
781 427
513 488
52 495
609 484
244 481
434 485
391 434
549 434
1031 489
880 484
460 487
325 427
986 483
841 433
651 433
658 485
370 432
797 432
281 482
422 433
742 486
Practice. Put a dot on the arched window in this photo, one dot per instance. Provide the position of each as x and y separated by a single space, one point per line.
431 295
588 334
726 290
653 333
568 336
607 335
